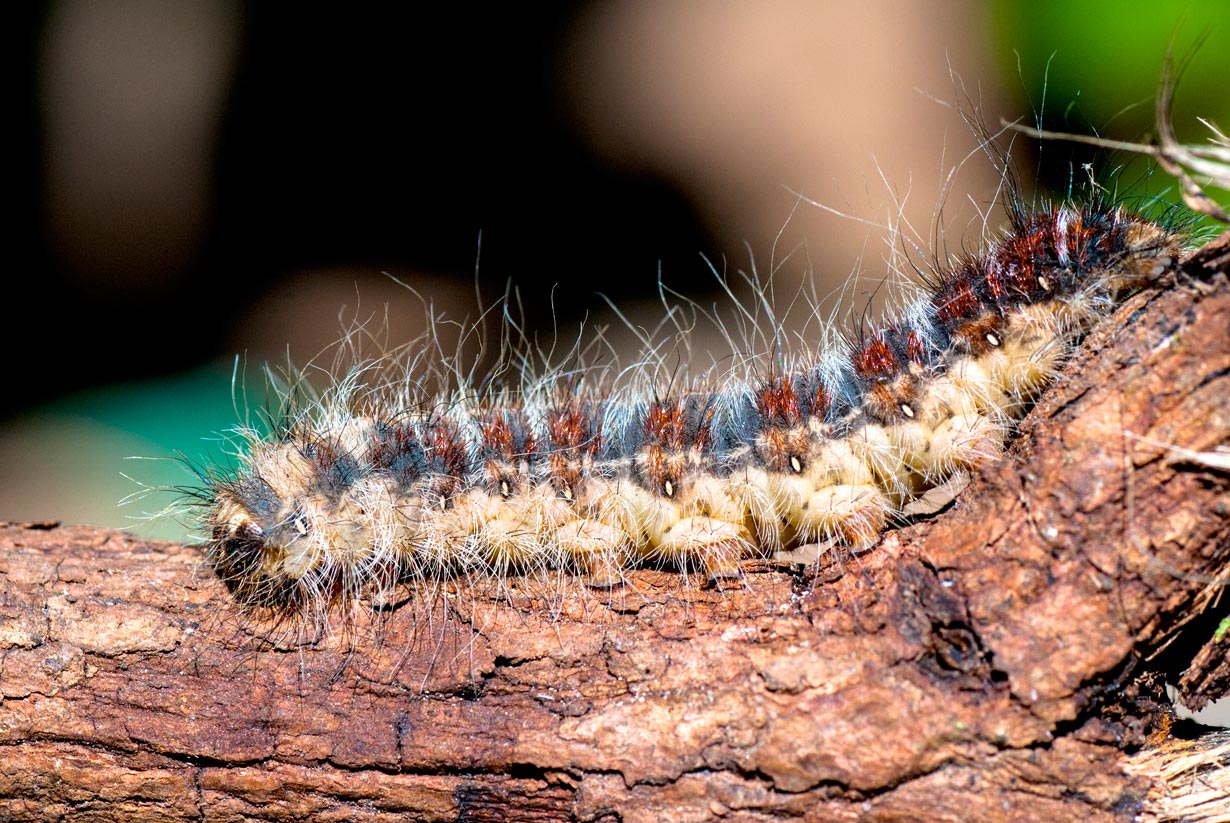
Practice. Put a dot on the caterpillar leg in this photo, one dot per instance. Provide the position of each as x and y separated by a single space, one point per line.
716 546
599 551
852 515
966 441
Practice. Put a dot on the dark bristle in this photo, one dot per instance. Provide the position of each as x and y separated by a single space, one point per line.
814 396
505 440
505 435
396 451
258 498
673 429
237 555
570 428
571 439
446 452
777 403
783 406
335 470
955 298
876 360
239 560
681 424
915 350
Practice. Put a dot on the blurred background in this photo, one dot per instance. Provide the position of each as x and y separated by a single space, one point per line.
197 181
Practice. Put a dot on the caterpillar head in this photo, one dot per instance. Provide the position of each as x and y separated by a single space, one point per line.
258 548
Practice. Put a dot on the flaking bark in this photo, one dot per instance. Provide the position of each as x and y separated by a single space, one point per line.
999 661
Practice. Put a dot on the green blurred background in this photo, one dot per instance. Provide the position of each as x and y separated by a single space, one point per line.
201 181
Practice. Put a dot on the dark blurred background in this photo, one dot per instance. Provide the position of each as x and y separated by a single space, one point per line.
200 180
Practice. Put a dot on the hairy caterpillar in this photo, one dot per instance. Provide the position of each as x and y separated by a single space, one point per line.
373 485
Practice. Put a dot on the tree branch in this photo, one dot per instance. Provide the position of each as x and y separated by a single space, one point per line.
997 662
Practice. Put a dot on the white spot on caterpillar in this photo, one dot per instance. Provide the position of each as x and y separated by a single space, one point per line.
1062 219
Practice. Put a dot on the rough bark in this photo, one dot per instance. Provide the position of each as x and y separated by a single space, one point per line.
998 661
